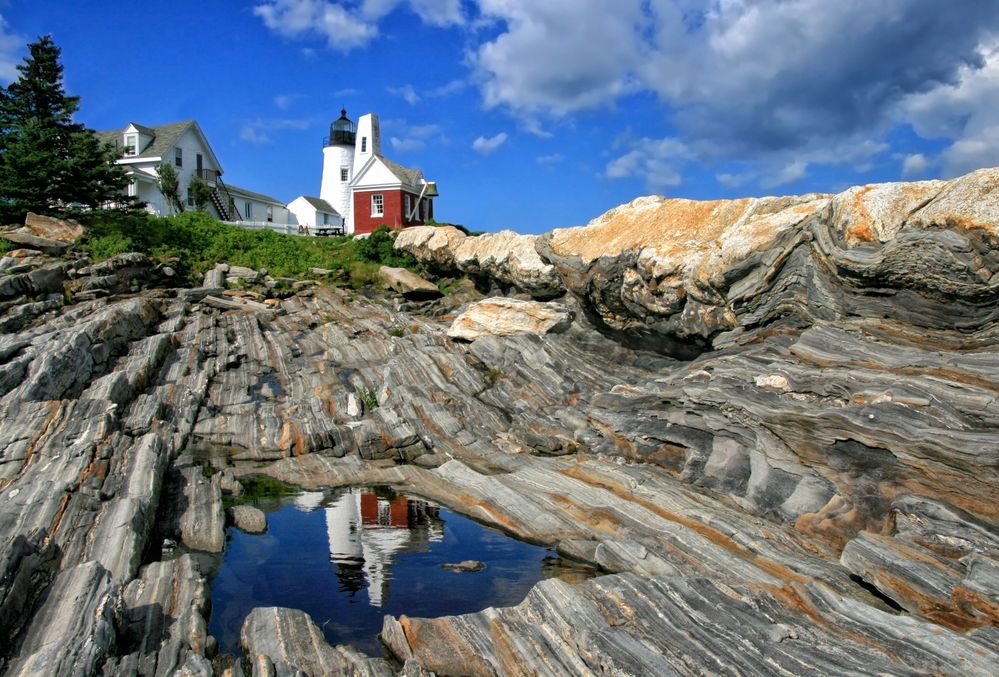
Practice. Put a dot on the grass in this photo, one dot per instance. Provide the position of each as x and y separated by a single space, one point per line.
493 374
257 488
368 398
194 242
397 332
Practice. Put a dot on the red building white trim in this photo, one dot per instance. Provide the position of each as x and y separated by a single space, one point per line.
367 189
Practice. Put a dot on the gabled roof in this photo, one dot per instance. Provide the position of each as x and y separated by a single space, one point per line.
320 204
259 197
164 138
404 174
142 129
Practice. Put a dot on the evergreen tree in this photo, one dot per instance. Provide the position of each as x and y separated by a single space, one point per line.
47 161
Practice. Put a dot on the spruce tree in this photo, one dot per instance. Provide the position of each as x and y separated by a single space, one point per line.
48 162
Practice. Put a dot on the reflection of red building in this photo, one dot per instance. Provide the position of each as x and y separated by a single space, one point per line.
384 513
366 532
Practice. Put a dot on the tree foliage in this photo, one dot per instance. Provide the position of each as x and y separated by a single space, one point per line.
48 162
200 192
169 186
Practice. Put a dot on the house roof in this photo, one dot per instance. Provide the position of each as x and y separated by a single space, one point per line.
142 129
320 204
164 137
259 197
404 174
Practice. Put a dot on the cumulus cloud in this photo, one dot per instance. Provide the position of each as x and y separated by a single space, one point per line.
348 25
408 138
789 173
490 145
965 111
656 161
769 81
915 165
561 55
261 130
344 29
407 93
11 46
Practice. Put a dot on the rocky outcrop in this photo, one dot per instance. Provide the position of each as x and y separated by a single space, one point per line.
505 317
507 258
410 285
681 276
287 642
798 479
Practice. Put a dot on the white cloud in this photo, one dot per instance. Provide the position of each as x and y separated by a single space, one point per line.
656 161
915 165
966 112
260 130
348 25
409 138
789 173
343 29
11 46
285 101
734 179
407 92
561 55
490 145
549 160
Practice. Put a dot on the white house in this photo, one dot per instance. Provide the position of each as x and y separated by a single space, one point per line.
316 214
183 145
365 188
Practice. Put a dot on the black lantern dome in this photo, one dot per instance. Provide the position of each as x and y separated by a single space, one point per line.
342 131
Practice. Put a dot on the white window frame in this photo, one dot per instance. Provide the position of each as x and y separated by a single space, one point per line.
178 156
409 204
248 207
131 145
364 144
326 219
190 197
270 213
377 204
344 174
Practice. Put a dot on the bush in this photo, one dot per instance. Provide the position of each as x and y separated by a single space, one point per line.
194 242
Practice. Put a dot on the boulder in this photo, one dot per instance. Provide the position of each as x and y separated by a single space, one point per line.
291 641
509 258
249 519
51 228
407 283
42 244
502 316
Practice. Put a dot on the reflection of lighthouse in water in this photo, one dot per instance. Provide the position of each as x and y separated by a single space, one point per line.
365 532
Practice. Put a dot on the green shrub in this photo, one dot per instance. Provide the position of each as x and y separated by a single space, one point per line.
396 332
194 242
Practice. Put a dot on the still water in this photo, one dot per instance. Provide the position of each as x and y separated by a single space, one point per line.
349 557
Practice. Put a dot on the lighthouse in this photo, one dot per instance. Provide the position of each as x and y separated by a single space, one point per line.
338 164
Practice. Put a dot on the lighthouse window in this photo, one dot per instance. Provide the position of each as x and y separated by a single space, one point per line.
364 144
377 204
344 174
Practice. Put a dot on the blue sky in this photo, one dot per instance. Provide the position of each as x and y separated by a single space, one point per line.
536 114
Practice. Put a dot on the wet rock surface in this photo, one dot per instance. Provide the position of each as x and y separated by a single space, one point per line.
772 424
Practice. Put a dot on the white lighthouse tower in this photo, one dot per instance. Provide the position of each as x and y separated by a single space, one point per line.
338 167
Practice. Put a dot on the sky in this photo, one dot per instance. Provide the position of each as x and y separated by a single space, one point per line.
537 114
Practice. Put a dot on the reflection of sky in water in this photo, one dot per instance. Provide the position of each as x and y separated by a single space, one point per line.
348 559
